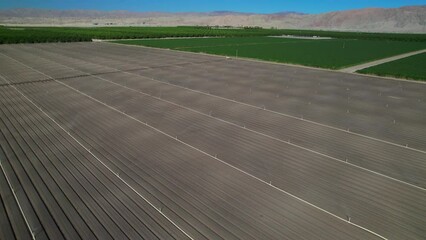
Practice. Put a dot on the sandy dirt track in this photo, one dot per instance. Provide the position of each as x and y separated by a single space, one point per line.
380 61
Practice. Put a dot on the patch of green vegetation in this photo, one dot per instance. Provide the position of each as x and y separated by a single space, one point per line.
413 67
71 34
330 53
190 43
67 34
36 35
358 35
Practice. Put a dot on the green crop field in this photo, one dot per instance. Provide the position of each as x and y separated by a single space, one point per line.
327 53
413 67
344 50
73 34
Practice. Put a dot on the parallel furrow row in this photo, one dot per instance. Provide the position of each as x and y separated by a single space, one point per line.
155 154
359 120
311 136
91 192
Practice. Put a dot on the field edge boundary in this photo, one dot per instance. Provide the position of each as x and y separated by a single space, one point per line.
275 63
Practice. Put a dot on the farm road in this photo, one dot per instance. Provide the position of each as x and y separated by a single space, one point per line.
380 61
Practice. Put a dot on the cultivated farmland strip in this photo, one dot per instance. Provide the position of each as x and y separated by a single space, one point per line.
163 150
13 224
244 181
220 108
144 232
413 135
123 97
243 148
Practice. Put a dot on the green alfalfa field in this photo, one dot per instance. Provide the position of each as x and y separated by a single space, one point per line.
322 53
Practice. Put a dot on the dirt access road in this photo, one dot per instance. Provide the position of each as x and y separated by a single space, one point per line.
380 61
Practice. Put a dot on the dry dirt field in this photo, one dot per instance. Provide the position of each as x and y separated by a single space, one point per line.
108 141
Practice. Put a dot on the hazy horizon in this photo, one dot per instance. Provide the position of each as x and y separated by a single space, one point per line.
249 6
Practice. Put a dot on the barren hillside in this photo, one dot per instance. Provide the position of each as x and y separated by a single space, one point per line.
404 19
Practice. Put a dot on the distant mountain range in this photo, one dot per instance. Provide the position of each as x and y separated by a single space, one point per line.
404 19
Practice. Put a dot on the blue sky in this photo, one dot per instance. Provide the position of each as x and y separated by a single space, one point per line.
256 6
